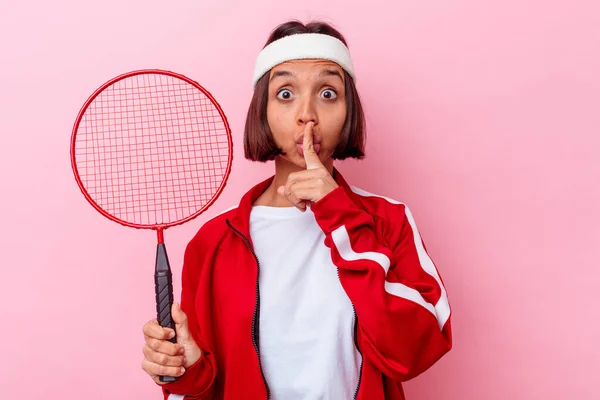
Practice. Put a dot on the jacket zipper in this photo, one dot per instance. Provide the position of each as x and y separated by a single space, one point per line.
355 343
255 319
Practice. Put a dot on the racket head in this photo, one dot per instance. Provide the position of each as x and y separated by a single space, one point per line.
104 137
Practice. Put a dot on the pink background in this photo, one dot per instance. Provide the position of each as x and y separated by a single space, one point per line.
483 117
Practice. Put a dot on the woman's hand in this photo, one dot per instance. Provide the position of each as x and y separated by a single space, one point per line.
314 183
162 357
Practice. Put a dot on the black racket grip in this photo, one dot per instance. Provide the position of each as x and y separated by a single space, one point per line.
163 285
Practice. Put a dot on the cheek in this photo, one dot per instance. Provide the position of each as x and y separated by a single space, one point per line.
278 120
333 125
274 121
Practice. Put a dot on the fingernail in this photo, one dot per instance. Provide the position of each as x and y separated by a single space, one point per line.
182 370
171 335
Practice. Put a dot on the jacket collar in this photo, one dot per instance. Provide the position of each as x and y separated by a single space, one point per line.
241 219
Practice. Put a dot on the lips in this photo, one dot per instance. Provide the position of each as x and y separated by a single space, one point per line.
300 148
316 143
316 139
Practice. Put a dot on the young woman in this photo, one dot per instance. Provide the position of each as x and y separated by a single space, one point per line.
310 288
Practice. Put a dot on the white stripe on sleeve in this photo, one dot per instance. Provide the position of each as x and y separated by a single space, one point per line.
341 239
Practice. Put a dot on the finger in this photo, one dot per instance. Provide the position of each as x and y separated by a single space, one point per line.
298 203
301 177
156 370
290 195
161 358
310 156
301 205
305 190
304 175
303 195
181 323
154 330
165 347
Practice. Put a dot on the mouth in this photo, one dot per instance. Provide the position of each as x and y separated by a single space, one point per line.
300 148
316 138
316 143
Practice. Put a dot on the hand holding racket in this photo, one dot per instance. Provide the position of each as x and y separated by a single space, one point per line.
152 149
163 358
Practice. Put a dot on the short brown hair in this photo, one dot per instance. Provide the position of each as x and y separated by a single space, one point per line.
259 144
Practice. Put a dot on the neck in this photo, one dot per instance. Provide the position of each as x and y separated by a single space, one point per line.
283 169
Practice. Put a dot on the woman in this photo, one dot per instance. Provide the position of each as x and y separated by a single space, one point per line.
309 288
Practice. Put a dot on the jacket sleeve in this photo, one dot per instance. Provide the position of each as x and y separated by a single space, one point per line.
400 300
197 381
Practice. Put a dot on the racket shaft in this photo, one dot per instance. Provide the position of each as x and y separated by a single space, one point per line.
163 284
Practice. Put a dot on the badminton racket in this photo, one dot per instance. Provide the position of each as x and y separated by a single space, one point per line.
151 149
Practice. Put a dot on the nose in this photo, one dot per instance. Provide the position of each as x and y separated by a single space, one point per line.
306 111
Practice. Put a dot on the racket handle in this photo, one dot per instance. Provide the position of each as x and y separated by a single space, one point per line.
163 285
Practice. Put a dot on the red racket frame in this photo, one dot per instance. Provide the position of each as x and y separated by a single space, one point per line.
161 227
162 275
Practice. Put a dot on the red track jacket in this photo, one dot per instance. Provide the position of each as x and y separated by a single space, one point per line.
401 306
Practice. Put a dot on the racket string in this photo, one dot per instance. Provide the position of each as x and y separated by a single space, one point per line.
152 152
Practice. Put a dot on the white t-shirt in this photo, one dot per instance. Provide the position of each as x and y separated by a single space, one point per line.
306 326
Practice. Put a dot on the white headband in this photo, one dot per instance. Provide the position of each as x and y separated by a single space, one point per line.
303 46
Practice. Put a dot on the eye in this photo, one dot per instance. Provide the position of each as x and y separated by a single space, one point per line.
329 94
284 94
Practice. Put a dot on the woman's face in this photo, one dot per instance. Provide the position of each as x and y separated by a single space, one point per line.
301 91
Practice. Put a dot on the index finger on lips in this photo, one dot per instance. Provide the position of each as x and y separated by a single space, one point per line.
310 157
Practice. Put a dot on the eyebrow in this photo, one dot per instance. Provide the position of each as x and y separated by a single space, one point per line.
325 72
331 72
277 74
